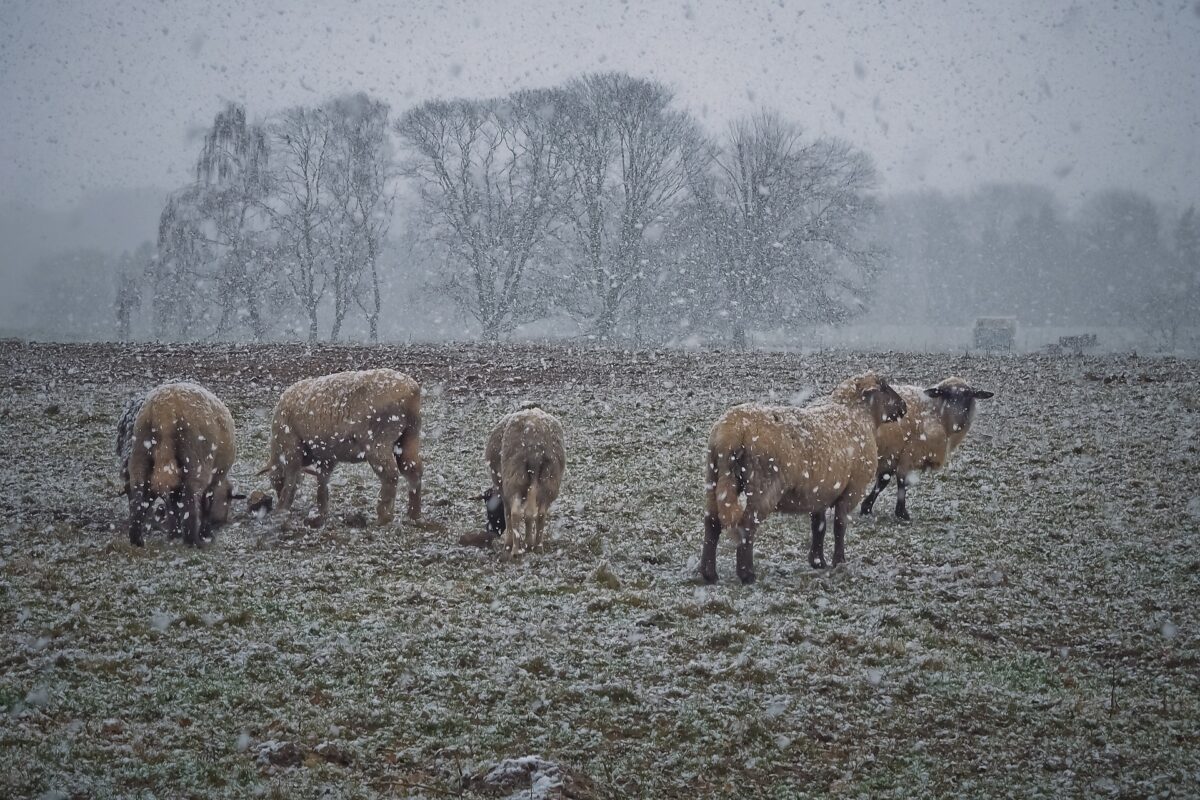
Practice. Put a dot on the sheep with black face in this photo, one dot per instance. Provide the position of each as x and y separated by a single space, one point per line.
937 421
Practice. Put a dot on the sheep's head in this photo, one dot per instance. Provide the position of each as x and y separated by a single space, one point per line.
957 399
884 403
259 502
494 504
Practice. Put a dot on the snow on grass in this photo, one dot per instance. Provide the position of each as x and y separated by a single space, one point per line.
1031 632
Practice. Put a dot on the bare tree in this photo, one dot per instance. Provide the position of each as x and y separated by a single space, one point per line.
362 196
181 273
782 217
212 231
299 211
233 182
630 155
489 175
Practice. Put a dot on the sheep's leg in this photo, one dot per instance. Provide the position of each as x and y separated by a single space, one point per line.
880 484
512 515
140 503
386 467
708 556
191 517
816 546
324 471
287 490
901 497
411 466
206 527
530 528
745 550
841 511
541 529
173 512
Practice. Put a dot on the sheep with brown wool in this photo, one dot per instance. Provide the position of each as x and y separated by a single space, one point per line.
937 422
369 415
177 443
526 458
794 461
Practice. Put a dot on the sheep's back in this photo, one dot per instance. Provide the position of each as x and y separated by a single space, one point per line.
809 457
200 423
341 408
527 441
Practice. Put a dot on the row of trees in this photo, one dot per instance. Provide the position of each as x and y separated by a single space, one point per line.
601 207
598 202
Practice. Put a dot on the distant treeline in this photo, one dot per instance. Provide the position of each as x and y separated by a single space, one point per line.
600 208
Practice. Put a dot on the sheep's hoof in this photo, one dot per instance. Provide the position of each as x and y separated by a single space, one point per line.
314 520
137 541
902 513
747 578
816 562
709 574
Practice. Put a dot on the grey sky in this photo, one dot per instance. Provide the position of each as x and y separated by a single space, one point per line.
1081 96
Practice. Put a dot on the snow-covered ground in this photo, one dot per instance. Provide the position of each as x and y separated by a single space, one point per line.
1032 632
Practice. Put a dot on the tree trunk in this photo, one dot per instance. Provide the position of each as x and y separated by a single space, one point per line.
738 339
491 330
312 323
376 298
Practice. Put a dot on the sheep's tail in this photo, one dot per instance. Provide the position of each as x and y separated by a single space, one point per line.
726 471
165 473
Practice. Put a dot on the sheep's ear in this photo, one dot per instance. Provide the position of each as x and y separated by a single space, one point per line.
982 394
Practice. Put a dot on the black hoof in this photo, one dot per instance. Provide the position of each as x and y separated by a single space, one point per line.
709 577
747 578
816 563
904 515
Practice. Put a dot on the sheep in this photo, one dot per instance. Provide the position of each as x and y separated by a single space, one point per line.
526 458
178 443
793 460
938 420
370 415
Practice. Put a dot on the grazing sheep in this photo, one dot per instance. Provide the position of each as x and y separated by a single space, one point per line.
179 445
371 415
526 457
937 421
793 460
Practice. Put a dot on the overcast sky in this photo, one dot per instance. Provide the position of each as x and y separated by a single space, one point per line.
1079 96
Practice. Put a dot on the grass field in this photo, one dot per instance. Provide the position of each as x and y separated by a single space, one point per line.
1033 631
